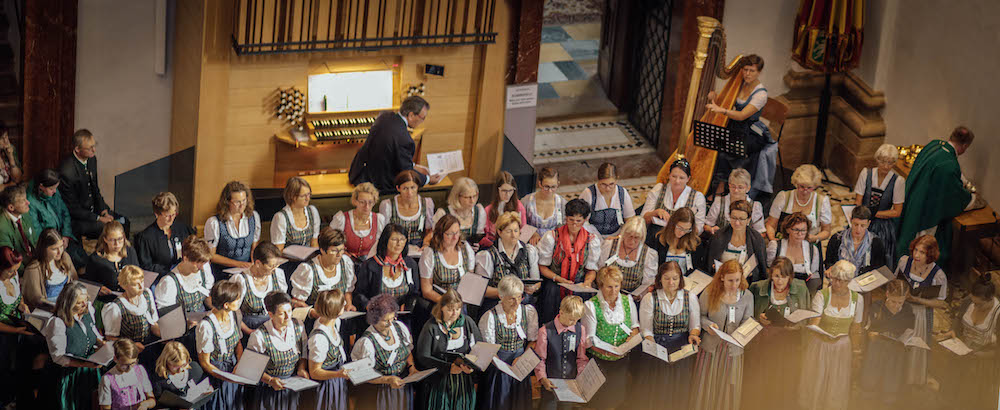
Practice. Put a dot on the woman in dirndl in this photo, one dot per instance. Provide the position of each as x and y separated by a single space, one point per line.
677 241
544 207
805 257
885 357
665 199
635 260
928 290
388 344
972 380
234 231
718 214
514 327
463 204
805 200
508 256
71 332
610 204
409 210
256 282
773 358
826 361
282 339
19 344
133 316
219 346
718 371
444 338
612 318
671 317
326 354
361 226
883 192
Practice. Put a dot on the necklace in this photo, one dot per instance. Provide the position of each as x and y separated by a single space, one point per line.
802 205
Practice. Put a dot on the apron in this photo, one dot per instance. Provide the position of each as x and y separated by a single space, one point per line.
607 220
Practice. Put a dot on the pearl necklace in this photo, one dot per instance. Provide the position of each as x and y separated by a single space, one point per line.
801 205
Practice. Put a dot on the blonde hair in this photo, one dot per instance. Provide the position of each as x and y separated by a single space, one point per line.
635 225
887 153
173 353
843 270
364 188
163 202
462 186
510 285
740 175
807 174
572 307
607 273
130 274
125 349
507 218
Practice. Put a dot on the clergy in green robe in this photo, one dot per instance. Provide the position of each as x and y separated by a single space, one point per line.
935 192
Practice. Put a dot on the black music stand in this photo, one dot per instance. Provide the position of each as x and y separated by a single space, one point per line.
718 138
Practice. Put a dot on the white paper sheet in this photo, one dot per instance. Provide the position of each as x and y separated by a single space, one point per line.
848 209
148 277
642 289
747 331
301 313
472 288
653 349
297 383
578 288
172 325
581 389
445 162
956 346
482 354
749 266
526 232
361 371
195 391
620 350
351 315
299 252
249 369
871 280
696 282
659 222
102 356
418 376
93 289
233 271
800 315
684 352
522 366
566 390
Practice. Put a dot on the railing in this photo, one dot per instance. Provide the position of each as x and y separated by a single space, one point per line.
295 26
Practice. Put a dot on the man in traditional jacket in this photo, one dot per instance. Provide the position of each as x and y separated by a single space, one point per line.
389 148
935 193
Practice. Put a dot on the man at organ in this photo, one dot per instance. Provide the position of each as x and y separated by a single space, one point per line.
389 148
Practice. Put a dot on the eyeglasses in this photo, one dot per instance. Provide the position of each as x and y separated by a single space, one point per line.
305 195
476 196
550 187
507 191
336 251
806 187
735 219
798 230
606 186
120 239
452 234
397 239
683 230
240 202
366 202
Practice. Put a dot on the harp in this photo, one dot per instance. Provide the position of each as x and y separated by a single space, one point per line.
709 57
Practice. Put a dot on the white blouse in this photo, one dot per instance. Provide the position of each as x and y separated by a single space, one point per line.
319 346
426 209
784 202
487 324
480 225
485 264
898 189
279 225
671 204
132 377
464 265
649 264
721 205
546 248
206 341
339 222
364 349
166 289
647 306
278 275
810 257
855 310
240 230
302 278
601 204
57 276
614 316
55 336
112 314
282 341
941 279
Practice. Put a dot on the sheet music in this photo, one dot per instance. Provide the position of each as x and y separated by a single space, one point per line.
472 288
956 345
527 231
684 352
297 383
749 266
820 330
172 325
93 289
578 288
482 354
299 252
696 282
654 349
621 350
301 313
148 277
522 366
445 162
746 332
658 221
102 356
351 315
249 369
590 380
800 315
567 390
871 280
196 391
361 371
725 336
418 376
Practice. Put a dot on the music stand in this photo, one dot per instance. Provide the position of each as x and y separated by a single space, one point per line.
718 138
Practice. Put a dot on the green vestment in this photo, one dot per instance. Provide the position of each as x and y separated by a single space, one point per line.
934 195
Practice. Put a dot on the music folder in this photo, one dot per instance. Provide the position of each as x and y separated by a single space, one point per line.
249 369
581 389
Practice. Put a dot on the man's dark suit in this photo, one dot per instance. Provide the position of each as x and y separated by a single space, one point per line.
388 151
82 195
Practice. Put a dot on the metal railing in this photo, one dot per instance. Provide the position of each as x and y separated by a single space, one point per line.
296 26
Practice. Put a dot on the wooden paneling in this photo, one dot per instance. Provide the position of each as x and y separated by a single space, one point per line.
235 128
